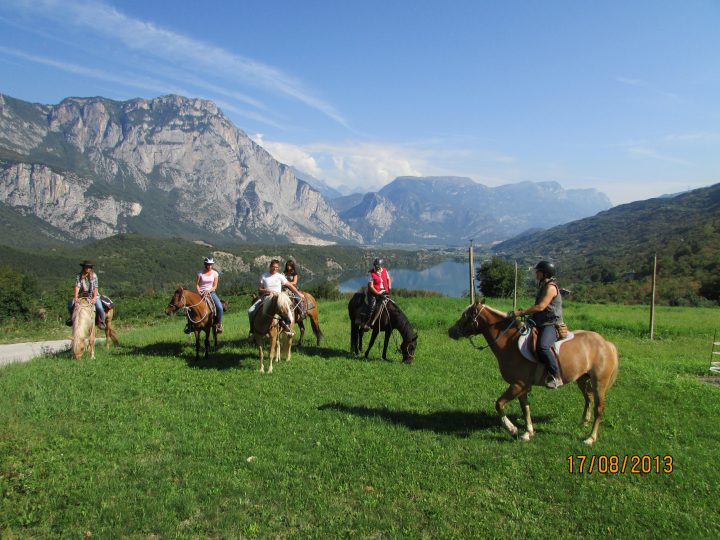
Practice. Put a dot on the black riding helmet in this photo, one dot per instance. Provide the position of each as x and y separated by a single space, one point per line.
378 262
547 268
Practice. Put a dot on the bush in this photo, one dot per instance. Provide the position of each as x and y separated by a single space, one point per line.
17 294
497 278
327 290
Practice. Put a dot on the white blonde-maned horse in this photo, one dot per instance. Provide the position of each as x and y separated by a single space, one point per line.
267 323
83 319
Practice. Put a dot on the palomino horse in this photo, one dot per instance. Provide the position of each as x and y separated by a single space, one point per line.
389 319
309 311
109 330
83 319
266 323
587 359
200 315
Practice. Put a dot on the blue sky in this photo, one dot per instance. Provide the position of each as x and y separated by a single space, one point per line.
619 96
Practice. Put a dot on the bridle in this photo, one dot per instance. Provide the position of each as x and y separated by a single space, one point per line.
188 308
496 338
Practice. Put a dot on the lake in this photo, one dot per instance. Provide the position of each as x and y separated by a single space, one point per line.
449 278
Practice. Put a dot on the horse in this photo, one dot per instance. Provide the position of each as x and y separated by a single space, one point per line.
389 319
83 325
200 315
310 311
266 322
587 359
109 330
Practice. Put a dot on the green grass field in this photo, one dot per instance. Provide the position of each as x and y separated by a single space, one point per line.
142 443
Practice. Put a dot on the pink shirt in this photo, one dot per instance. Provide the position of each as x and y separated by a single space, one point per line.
206 280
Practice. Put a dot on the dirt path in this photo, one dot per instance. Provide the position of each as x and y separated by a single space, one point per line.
24 352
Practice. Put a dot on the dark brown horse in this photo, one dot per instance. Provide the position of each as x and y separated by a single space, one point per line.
200 315
309 311
587 359
390 318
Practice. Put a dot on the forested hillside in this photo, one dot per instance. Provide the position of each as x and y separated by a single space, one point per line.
610 256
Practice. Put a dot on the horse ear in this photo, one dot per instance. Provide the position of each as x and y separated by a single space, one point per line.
480 301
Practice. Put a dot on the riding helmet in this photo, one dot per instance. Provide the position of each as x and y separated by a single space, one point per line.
86 263
378 262
546 268
209 260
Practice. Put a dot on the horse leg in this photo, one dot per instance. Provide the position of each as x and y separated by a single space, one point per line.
274 338
585 386
598 388
259 343
207 342
513 391
301 326
315 327
353 339
91 343
525 406
385 343
373 337
197 345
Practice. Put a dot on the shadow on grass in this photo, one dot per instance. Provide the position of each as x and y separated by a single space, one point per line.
458 423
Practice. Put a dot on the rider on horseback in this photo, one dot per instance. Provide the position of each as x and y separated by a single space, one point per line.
378 287
292 276
272 282
206 284
545 314
86 286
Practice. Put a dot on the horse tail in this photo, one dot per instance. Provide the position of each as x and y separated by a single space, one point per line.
110 331
616 362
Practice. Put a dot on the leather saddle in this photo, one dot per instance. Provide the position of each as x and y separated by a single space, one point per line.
527 344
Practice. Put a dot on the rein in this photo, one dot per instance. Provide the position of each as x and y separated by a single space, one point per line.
496 339
188 308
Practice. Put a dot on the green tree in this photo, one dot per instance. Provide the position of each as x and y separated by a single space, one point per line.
496 277
17 294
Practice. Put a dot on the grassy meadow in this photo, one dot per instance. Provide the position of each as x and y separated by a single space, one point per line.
143 443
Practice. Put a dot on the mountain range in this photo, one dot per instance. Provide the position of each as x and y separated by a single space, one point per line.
89 168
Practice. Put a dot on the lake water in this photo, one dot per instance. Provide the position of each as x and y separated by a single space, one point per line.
449 278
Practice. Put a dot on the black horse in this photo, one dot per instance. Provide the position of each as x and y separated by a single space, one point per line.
390 318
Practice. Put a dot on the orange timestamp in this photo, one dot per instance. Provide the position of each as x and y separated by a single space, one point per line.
615 464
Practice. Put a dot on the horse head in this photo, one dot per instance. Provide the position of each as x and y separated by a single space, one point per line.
176 302
476 318
407 348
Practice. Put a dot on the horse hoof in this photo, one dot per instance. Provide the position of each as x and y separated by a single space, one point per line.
589 441
526 436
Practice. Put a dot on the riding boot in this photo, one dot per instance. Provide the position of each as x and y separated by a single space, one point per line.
372 302
219 328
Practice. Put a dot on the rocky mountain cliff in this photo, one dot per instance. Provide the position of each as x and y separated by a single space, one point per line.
452 210
93 167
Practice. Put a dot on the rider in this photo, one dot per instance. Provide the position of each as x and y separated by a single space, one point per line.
272 282
207 283
291 275
545 314
379 285
86 286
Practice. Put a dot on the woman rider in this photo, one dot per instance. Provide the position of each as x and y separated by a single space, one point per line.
86 286
545 314
379 285
291 275
207 282
272 282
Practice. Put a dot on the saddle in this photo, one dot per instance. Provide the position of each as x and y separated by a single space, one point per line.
527 344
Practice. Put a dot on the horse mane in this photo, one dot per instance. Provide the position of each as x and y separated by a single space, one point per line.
497 312
284 303
401 322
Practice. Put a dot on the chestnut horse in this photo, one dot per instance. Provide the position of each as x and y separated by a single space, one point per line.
587 359
266 323
200 315
389 319
83 325
309 311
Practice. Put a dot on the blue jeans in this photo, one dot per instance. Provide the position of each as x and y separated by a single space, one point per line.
218 306
546 337
99 309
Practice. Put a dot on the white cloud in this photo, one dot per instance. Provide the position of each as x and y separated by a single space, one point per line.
183 52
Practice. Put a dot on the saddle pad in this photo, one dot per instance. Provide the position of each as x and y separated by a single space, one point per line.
524 346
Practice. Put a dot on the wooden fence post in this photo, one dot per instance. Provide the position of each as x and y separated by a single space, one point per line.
472 274
652 299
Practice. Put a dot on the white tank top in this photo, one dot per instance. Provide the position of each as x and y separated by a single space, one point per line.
207 280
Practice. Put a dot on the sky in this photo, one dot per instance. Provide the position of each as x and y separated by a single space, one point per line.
618 96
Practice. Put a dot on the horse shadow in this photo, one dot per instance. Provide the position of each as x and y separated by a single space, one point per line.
322 352
451 422
223 360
